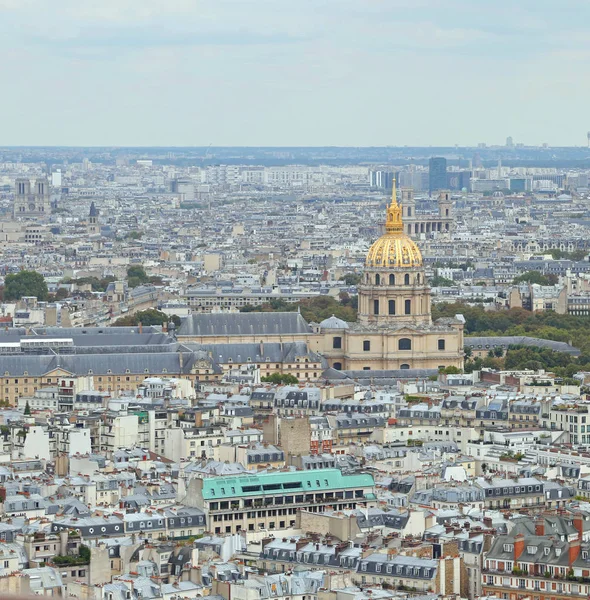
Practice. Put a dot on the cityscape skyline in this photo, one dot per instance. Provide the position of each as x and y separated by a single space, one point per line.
403 73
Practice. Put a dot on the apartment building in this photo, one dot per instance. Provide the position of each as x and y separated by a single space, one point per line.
271 500
541 566
511 494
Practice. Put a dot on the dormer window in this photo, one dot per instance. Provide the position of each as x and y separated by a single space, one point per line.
508 547
531 549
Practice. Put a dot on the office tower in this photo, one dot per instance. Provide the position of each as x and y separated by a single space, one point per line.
437 174
381 178
56 178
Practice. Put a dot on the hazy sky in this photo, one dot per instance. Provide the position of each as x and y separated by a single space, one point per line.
294 72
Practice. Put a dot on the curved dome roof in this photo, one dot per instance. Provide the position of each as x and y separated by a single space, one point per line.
333 322
395 248
391 251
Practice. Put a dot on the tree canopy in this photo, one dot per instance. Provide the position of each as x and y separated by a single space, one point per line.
351 279
312 309
136 276
280 378
536 277
98 285
25 283
151 316
516 322
439 281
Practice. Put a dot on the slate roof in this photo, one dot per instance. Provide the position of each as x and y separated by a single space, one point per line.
237 324
522 340
385 377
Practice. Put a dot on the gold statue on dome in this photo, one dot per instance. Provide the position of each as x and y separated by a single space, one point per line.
393 223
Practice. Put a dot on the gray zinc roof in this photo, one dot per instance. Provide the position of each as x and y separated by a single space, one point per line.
243 324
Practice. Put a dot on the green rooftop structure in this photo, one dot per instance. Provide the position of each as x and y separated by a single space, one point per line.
271 501
283 482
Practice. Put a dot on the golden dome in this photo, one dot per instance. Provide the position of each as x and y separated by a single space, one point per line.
395 249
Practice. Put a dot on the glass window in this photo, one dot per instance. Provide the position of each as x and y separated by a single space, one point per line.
404 344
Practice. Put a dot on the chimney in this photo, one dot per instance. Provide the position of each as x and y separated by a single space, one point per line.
140 325
579 525
540 526
518 546
301 542
574 551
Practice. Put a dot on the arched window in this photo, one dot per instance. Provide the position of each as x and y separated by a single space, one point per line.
447 212
404 366
418 278
337 342
406 279
409 211
408 307
392 279
377 279
338 366
392 307
404 344
376 307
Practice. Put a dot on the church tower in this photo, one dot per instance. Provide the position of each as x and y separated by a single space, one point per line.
93 225
393 291
31 203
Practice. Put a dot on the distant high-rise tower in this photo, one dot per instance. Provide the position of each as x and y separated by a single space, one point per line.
437 174
509 142
588 135
31 204
382 178
93 226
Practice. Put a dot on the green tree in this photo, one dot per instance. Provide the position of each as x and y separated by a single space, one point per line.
438 281
25 283
532 277
351 279
61 293
84 552
148 317
136 276
27 409
314 309
562 254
